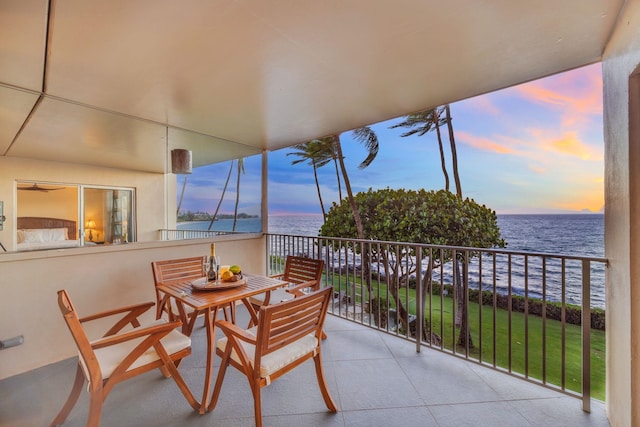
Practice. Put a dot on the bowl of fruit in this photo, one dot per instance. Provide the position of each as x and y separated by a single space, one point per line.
232 274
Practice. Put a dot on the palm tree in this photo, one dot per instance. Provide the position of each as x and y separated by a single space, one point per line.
224 190
347 184
235 209
330 149
322 151
327 153
184 185
365 135
308 151
454 153
425 121
422 123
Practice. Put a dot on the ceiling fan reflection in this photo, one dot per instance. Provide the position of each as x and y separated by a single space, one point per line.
36 187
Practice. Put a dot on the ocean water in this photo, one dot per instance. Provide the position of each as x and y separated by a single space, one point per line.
567 234
570 234
299 225
579 234
243 225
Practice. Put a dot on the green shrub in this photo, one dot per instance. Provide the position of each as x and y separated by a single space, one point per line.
573 313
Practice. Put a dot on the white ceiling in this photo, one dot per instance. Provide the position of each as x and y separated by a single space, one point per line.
126 81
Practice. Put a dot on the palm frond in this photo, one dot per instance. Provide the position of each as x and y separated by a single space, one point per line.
367 136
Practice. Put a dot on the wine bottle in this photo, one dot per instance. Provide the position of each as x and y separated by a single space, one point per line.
211 275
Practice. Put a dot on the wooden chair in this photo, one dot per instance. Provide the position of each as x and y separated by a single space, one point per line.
120 355
300 272
179 270
287 335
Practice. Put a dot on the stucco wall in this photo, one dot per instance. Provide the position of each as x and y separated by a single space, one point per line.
622 200
153 198
97 278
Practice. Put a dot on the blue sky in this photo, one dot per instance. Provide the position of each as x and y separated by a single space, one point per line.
532 148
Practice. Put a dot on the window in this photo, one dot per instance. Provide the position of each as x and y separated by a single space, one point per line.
108 215
91 214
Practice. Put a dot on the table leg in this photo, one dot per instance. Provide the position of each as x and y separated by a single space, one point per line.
210 322
187 321
191 321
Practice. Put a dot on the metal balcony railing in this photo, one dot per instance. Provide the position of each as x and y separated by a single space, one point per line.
531 315
166 234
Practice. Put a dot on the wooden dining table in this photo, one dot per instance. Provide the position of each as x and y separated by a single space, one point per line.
208 302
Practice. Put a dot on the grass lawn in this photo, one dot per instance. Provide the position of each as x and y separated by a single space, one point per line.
523 357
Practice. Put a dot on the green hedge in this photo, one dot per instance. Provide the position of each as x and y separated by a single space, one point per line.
573 313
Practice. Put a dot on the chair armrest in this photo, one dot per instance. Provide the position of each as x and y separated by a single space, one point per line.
161 329
132 313
138 308
297 289
277 276
230 329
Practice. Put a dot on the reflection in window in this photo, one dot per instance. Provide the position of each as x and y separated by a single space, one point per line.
220 198
47 216
108 215
66 215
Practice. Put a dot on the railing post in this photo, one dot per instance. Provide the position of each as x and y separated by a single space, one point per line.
269 249
419 299
586 336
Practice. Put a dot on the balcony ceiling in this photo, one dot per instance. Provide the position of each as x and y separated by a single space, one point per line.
120 83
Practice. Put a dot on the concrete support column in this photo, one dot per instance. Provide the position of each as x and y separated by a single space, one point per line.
621 78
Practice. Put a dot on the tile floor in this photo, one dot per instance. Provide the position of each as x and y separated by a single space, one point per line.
375 379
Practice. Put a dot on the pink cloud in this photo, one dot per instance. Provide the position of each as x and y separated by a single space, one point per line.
482 143
576 95
570 144
541 142
537 169
567 143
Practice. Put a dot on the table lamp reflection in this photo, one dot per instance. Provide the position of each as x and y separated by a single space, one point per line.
90 225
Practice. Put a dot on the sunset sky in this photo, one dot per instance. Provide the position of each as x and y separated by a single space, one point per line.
533 148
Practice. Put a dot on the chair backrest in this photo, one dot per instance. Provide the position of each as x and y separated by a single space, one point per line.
87 354
283 323
299 269
181 269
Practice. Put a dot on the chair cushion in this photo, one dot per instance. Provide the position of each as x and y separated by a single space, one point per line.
110 357
277 295
277 360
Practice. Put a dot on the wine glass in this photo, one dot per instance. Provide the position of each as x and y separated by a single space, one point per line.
206 267
216 266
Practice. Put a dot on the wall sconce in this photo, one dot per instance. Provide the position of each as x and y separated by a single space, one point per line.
2 220
90 225
181 161
2 217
